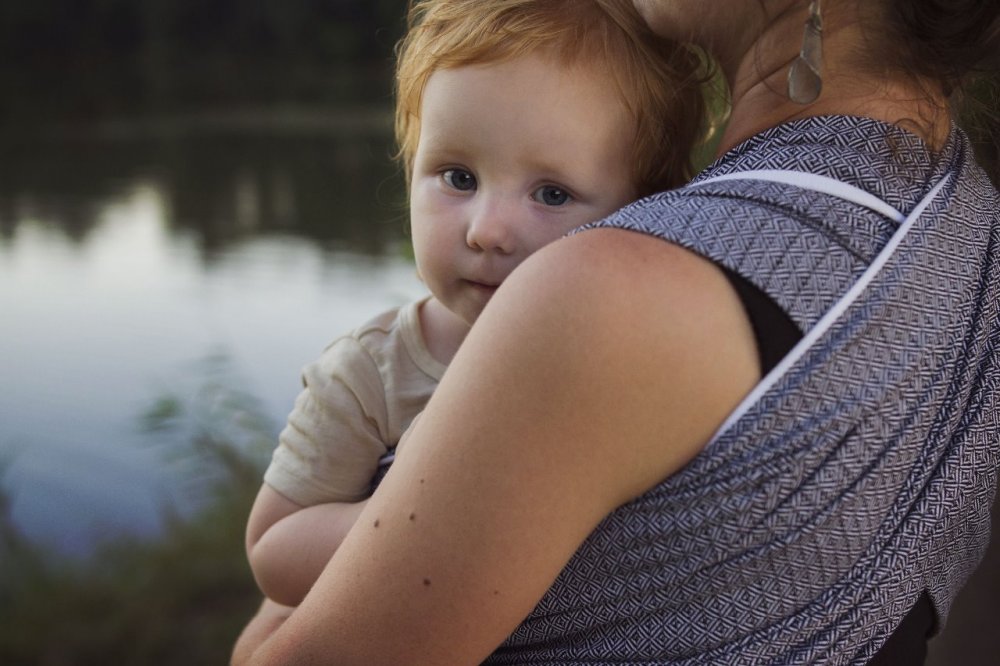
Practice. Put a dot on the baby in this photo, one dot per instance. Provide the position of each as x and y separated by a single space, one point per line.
515 126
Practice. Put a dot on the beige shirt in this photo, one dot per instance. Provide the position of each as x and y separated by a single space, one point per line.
359 398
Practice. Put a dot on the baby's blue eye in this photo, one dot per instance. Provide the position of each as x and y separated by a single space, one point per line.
459 179
550 195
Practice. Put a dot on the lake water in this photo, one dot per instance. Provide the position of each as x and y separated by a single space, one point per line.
130 259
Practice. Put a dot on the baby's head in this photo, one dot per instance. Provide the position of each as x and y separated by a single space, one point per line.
656 80
520 120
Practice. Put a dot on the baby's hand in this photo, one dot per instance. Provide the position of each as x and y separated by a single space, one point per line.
406 434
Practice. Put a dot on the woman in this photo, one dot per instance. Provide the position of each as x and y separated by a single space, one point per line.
598 480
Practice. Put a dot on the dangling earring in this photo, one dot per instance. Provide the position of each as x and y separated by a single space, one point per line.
804 80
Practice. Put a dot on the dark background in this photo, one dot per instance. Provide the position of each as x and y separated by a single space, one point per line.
93 59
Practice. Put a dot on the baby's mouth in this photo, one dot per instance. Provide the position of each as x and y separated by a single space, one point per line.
485 287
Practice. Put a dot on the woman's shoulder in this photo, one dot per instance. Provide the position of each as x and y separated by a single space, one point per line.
657 327
800 246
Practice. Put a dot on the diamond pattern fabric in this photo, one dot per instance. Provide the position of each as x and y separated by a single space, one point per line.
864 476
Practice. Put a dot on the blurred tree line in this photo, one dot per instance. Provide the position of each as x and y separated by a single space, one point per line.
80 60
85 59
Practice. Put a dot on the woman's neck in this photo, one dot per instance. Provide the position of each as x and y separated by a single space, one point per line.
758 83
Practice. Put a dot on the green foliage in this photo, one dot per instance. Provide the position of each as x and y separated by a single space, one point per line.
180 599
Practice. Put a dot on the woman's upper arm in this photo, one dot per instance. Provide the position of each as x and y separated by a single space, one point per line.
603 365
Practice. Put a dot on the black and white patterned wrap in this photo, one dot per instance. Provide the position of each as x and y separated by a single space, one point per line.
863 476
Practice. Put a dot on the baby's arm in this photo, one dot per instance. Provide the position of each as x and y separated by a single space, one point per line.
342 424
324 462
288 545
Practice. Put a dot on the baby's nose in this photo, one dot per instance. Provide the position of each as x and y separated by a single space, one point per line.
491 228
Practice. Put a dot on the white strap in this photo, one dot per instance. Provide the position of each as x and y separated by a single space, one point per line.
845 301
811 181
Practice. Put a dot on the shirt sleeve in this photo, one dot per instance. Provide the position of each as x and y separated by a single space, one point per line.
336 433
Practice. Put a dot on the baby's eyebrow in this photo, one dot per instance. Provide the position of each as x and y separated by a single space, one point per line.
559 169
444 152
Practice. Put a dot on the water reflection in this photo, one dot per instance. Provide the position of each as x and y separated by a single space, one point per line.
340 192
123 263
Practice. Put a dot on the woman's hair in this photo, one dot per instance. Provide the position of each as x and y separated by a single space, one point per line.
943 40
955 46
658 81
